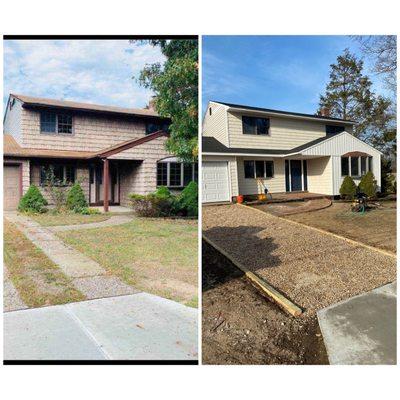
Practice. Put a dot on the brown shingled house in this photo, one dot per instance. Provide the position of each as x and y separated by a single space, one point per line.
87 142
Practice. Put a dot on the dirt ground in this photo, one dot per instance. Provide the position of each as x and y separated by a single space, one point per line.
294 207
240 326
375 228
312 269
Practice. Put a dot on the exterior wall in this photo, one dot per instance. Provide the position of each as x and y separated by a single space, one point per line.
130 182
216 124
25 171
285 133
232 171
249 186
319 175
342 144
90 133
82 175
12 121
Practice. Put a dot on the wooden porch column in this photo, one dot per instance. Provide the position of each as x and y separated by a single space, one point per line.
106 183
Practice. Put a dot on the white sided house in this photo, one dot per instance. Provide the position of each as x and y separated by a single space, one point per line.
248 150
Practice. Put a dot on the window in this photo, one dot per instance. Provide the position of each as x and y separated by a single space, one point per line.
345 166
363 165
255 126
63 174
331 129
152 127
210 111
369 163
55 123
354 166
176 174
258 169
248 169
162 174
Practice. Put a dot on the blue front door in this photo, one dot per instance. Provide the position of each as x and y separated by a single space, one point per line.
295 175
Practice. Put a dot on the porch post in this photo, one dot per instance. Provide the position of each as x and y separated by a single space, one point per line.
106 185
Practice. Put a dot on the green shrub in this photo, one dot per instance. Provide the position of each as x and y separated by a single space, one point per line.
389 183
368 185
89 211
188 201
348 189
76 200
32 201
163 193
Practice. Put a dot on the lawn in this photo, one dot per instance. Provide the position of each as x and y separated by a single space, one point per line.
158 256
68 219
37 279
375 228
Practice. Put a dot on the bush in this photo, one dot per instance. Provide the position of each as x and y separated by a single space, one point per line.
32 201
76 200
348 189
368 185
163 193
89 211
389 183
150 205
188 201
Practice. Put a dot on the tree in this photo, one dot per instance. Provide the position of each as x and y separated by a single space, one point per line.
348 93
348 189
383 52
368 185
175 84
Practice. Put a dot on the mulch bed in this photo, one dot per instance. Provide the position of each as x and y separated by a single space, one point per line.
312 269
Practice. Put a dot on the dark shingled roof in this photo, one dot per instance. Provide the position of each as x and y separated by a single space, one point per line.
212 145
284 112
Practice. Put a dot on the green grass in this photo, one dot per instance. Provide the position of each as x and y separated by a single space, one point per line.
67 219
37 279
155 255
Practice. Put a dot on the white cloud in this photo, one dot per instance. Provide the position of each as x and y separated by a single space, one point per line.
96 71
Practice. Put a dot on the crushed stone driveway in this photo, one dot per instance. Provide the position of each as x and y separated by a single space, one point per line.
312 269
134 327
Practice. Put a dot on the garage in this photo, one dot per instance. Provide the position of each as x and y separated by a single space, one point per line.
11 186
215 181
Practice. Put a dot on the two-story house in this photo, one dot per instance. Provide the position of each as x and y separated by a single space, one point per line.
247 150
111 151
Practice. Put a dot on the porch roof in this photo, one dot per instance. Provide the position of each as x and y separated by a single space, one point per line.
12 149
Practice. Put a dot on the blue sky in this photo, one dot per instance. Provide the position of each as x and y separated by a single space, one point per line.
279 72
95 71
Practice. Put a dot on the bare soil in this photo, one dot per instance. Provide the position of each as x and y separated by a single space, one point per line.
376 227
294 207
240 326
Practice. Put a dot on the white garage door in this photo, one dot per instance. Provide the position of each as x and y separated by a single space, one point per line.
215 181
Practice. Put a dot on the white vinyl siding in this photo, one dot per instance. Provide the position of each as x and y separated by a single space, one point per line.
319 175
216 124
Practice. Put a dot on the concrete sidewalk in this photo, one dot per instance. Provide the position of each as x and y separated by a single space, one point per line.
134 327
362 329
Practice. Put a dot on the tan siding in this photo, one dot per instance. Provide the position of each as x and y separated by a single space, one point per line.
285 133
319 175
216 124
274 185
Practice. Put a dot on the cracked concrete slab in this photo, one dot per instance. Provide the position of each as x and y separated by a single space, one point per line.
362 329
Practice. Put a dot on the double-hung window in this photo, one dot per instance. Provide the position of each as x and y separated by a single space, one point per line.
55 123
255 125
258 169
176 174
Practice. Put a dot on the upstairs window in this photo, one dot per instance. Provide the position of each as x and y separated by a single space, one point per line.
152 127
55 123
255 126
332 129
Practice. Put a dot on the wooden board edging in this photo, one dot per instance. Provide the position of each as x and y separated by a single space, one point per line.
351 241
261 284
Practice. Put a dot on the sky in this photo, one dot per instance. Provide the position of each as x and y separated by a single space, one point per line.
93 71
279 72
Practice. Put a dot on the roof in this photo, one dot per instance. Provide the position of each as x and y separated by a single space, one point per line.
73 105
12 149
212 145
288 113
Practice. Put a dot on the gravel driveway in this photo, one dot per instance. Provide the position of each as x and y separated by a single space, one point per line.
314 270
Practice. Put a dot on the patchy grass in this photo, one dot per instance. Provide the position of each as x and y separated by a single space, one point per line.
155 255
68 219
375 228
38 280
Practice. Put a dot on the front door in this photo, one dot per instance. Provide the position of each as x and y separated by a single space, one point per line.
295 175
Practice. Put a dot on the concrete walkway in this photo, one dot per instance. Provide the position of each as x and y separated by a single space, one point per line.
11 299
362 329
86 274
134 327
112 221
